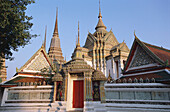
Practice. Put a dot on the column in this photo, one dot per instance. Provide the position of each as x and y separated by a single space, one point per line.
102 91
55 90
94 58
87 86
101 64
64 96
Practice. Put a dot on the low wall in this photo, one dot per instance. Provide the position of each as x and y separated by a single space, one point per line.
23 95
137 96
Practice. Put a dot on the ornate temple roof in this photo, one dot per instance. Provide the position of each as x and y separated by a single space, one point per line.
162 53
158 54
98 75
121 46
146 60
57 77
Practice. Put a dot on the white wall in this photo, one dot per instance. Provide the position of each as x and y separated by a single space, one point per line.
110 65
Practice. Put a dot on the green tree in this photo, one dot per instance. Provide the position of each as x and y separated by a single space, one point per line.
15 26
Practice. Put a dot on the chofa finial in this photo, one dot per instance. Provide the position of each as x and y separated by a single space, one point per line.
134 33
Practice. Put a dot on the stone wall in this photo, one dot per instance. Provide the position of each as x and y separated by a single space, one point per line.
150 91
137 96
27 94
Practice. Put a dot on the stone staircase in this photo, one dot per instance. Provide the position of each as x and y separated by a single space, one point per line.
58 106
99 107
95 106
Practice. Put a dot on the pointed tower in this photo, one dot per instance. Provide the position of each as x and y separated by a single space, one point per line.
77 54
55 52
100 25
78 42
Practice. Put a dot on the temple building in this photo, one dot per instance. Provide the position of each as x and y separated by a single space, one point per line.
145 84
76 83
103 75
103 52
147 62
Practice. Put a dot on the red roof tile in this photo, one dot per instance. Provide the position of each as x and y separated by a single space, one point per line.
162 53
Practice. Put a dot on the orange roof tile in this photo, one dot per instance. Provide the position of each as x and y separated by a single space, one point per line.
162 53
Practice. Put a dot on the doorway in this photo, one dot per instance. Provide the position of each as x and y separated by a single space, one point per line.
78 94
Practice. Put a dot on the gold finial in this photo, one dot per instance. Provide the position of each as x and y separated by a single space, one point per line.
57 12
100 15
16 69
78 43
134 33
78 29
56 24
45 37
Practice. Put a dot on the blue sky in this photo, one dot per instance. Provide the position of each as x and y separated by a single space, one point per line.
149 18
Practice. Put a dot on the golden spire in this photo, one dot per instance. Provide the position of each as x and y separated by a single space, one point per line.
100 23
100 15
78 42
45 37
56 24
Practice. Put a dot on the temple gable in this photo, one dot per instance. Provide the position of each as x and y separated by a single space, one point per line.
89 43
37 62
111 39
141 58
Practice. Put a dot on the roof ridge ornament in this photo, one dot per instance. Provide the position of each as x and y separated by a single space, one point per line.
134 33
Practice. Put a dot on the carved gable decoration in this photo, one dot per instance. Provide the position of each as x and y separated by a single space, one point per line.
111 39
89 41
124 47
37 62
141 57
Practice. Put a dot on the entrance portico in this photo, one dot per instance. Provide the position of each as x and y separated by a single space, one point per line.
79 84
75 92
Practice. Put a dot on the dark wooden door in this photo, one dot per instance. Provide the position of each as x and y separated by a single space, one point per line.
78 94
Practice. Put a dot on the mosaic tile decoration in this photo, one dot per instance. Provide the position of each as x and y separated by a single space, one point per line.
38 63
